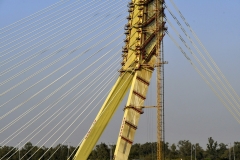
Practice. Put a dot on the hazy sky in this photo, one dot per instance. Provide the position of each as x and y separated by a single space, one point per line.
192 111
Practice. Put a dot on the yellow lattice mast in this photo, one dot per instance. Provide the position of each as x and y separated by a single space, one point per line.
160 142
141 54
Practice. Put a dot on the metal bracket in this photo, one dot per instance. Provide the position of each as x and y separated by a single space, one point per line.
159 64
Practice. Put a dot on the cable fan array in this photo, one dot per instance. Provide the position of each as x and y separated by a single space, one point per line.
57 67
205 67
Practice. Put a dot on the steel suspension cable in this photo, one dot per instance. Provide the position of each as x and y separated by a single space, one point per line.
100 94
51 74
93 109
40 52
104 109
202 56
95 80
205 50
55 127
102 88
47 39
17 119
100 58
57 59
55 81
75 112
28 18
209 66
44 41
32 38
203 77
40 28
206 71
46 18
61 98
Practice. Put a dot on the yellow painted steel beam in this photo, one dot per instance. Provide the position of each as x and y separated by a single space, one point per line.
141 49
105 114
139 59
132 113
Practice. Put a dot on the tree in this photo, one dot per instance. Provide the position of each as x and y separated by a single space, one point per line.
26 151
166 150
237 150
134 152
101 152
39 153
184 149
174 153
146 149
212 149
222 151
8 152
199 151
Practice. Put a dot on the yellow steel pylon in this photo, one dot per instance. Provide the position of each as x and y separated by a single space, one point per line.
141 54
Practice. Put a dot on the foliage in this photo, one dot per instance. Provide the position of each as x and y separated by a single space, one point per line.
101 152
146 151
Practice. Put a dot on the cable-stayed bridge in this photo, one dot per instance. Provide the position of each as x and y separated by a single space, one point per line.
58 65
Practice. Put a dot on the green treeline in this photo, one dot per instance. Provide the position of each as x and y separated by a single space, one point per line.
181 150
